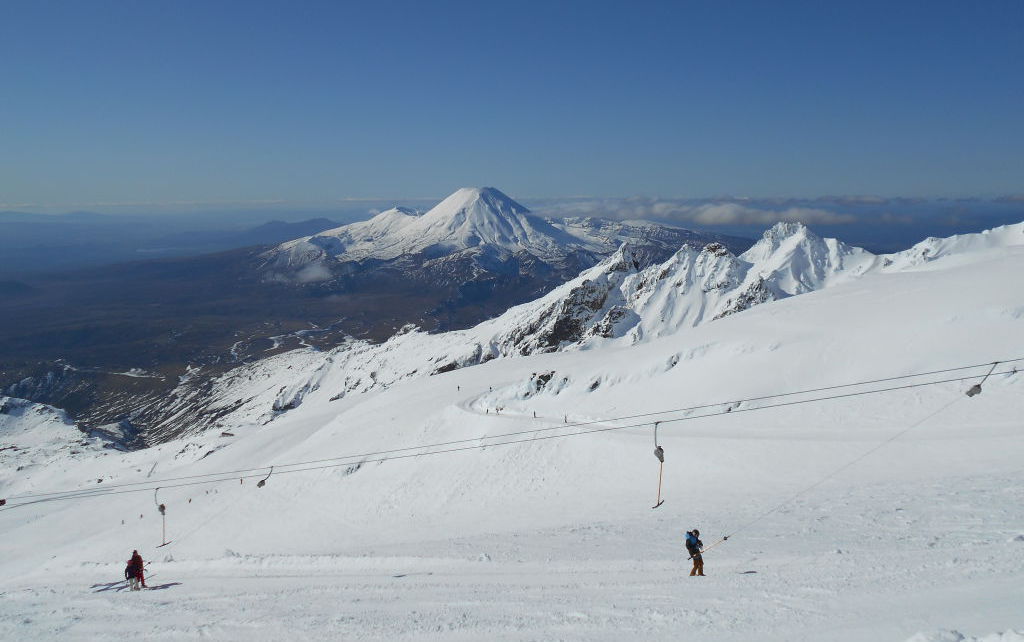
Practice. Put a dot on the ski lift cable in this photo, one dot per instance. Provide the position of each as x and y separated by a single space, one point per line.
536 430
663 412
295 468
228 476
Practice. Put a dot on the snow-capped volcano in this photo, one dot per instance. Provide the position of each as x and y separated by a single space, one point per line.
481 224
472 218
481 217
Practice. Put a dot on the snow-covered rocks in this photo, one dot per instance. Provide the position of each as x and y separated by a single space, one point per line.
794 260
35 435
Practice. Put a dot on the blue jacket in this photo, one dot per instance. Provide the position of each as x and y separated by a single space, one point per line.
692 543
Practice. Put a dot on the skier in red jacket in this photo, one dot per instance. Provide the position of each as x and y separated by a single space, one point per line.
135 573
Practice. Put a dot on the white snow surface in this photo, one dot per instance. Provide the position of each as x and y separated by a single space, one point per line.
36 438
889 516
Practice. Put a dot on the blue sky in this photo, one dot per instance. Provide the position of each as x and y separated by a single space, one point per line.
221 102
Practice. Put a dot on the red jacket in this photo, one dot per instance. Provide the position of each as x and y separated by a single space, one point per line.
135 566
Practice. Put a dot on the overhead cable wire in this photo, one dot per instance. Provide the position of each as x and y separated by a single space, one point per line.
365 457
430 449
235 473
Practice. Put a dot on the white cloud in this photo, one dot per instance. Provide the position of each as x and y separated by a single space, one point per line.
313 273
706 213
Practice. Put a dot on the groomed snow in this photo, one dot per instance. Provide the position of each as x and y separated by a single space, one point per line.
921 540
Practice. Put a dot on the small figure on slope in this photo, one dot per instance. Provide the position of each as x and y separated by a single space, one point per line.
135 572
694 547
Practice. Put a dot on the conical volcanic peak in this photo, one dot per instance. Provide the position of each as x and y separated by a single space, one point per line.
482 220
476 201
482 217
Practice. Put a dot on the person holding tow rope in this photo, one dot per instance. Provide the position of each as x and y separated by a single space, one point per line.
694 546
135 572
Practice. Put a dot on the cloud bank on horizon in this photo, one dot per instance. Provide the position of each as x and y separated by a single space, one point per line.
839 210
882 224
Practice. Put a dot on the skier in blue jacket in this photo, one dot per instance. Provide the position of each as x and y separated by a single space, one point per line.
694 547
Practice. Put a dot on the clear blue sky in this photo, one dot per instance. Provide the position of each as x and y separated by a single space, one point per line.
309 101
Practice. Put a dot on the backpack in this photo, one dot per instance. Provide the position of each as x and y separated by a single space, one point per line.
691 542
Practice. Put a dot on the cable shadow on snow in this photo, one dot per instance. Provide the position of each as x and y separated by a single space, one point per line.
161 587
118 586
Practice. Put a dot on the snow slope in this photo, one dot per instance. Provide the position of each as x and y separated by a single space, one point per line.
891 516
35 437
360 239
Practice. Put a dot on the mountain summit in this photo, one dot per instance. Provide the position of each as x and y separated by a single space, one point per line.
477 219
484 218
